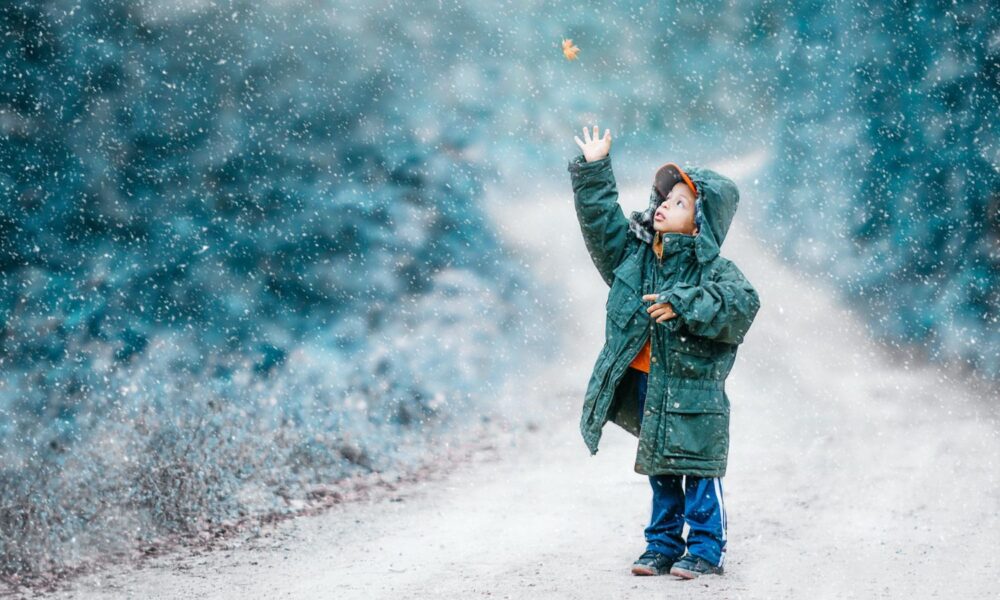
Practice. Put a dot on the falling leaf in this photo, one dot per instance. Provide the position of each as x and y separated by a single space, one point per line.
569 50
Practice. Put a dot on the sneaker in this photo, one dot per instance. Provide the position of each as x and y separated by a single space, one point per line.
652 563
691 566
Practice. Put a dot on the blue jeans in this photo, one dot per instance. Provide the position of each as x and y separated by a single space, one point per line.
685 498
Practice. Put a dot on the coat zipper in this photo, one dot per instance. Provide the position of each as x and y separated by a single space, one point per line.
647 336
656 287
604 383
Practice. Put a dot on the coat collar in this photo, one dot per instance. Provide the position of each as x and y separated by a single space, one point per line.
675 243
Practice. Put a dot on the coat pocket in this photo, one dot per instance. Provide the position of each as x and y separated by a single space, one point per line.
622 307
624 298
695 422
693 357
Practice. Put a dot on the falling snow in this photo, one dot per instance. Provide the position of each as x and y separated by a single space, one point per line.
247 247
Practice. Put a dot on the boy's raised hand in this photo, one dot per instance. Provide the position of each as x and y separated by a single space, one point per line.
659 311
594 148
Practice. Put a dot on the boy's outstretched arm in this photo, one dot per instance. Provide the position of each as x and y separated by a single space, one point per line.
722 308
595 194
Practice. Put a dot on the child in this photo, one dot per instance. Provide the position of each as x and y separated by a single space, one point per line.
661 373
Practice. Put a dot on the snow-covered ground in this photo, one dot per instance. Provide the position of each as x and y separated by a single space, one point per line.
849 476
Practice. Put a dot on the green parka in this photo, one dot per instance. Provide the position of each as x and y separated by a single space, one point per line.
685 425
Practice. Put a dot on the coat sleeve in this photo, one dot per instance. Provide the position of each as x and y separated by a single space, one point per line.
604 226
722 308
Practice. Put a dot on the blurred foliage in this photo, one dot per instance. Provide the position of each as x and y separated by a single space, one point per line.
886 166
213 210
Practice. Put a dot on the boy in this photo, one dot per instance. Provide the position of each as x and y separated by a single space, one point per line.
661 373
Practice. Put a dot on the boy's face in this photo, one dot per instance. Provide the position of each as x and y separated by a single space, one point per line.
676 213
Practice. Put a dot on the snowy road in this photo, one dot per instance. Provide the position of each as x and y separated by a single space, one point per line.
849 476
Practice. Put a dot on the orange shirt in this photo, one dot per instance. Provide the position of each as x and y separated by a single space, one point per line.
641 360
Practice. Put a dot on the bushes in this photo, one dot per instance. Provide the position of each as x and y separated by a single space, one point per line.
162 451
885 174
232 267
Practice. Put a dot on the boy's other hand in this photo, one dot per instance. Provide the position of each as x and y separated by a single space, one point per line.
661 311
594 148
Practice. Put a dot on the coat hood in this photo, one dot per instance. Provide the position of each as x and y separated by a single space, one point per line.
715 208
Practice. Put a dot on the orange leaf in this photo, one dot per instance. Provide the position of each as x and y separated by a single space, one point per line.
569 50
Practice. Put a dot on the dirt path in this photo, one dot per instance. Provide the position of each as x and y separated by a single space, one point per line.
850 476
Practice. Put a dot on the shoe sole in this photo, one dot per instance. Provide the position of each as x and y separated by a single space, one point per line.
685 574
644 570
